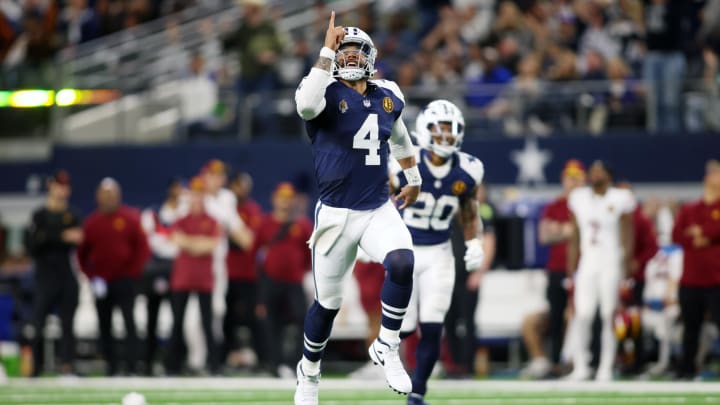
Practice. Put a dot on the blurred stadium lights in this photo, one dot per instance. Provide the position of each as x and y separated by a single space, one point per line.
61 98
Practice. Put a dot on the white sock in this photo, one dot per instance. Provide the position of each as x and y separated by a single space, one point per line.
391 337
310 367
608 347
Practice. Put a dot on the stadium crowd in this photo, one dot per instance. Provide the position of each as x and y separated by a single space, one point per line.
518 67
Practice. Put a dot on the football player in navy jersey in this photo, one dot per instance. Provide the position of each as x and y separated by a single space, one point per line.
450 179
354 124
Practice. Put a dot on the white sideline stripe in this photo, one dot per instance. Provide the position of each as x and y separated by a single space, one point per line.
486 387
479 401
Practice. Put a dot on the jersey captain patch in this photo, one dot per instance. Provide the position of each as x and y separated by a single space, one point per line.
459 187
387 104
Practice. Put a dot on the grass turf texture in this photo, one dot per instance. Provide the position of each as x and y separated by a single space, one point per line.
166 391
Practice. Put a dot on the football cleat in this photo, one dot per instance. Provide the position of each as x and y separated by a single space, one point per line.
308 387
388 357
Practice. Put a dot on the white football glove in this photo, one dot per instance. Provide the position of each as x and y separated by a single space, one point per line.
474 254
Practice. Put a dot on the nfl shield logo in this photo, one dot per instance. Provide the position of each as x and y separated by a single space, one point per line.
366 103
343 106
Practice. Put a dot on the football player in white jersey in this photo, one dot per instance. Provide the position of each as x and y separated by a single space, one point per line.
450 180
602 238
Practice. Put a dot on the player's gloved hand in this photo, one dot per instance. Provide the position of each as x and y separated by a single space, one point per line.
474 255
569 285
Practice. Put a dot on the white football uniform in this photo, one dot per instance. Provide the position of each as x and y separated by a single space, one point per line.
429 222
600 269
338 234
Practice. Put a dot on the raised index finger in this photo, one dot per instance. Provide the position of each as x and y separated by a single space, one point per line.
332 20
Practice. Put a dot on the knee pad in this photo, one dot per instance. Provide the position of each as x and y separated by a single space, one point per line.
399 265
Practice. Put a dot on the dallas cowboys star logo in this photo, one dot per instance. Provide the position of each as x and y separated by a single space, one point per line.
531 161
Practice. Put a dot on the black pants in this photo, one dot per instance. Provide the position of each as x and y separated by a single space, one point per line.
460 326
240 302
557 298
175 359
286 305
51 293
156 282
120 293
694 303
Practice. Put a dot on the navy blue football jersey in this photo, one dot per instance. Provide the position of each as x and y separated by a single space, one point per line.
429 218
350 143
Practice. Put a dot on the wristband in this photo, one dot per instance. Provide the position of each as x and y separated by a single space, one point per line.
326 52
412 175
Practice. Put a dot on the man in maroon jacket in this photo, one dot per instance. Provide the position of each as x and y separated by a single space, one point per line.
697 230
284 258
241 295
197 235
112 255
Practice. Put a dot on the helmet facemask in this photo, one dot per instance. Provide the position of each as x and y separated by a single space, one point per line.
445 137
440 128
355 59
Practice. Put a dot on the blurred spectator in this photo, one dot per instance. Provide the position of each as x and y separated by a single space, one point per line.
3 242
554 230
78 23
429 11
55 231
156 222
483 90
596 35
460 319
241 296
697 230
259 46
221 205
197 235
284 258
520 102
198 98
475 18
112 255
645 246
664 67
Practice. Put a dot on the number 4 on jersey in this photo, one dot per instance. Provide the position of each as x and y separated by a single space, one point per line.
367 137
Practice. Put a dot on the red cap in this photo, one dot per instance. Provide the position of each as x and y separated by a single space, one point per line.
284 190
61 177
574 168
196 184
215 166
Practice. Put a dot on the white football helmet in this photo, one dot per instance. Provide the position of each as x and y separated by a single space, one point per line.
427 126
354 71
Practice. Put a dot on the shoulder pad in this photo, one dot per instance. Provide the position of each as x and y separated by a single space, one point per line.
472 166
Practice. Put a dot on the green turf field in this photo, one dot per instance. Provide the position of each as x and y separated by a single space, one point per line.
99 391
